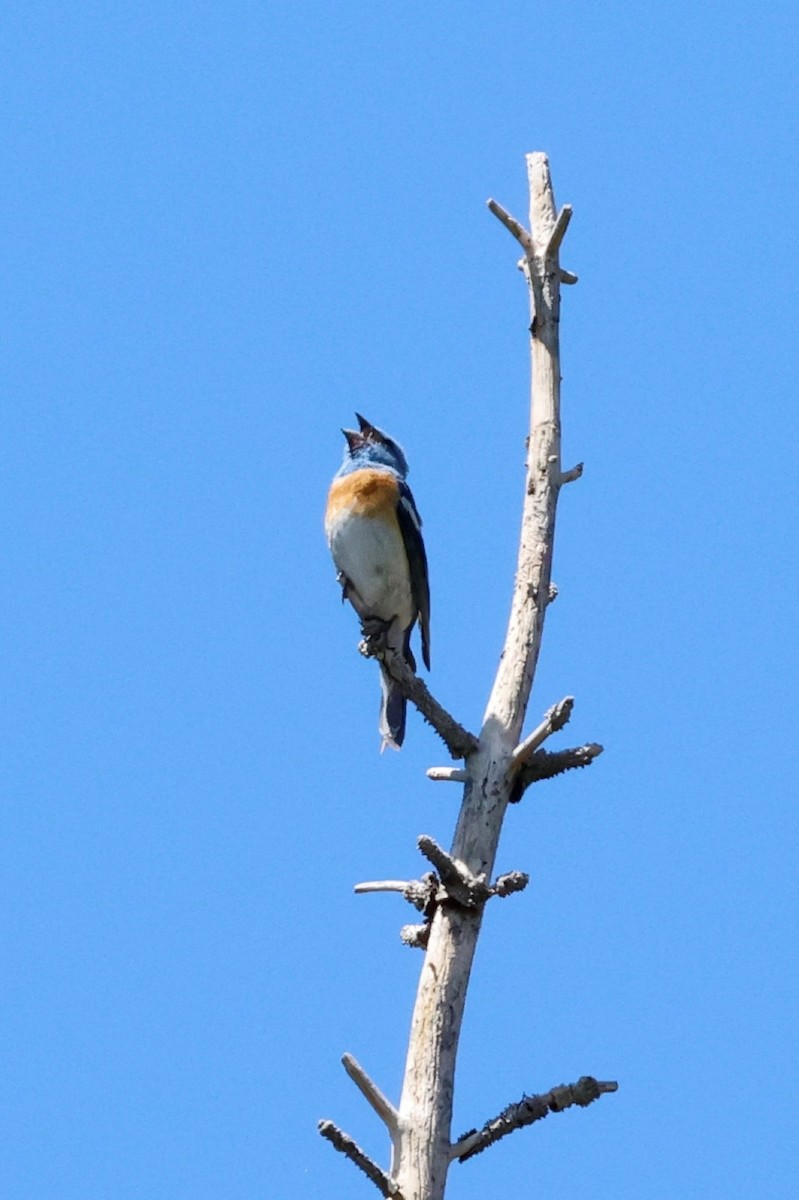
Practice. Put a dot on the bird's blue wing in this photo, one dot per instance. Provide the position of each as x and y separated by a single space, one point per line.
410 524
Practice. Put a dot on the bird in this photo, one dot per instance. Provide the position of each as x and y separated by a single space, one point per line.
374 532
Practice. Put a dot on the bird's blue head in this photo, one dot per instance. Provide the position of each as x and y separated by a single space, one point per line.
370 447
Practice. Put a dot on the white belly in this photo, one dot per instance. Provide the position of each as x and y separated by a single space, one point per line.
371 555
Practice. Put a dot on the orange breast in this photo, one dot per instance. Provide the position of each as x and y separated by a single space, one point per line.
365 493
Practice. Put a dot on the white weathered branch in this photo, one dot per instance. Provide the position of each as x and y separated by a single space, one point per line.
421 893
381 885
554 719
511 690
572 474
425 1107
557 234
447 774
368 1088
514 226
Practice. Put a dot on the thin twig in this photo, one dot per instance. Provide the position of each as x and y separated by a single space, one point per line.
343 1142
529 1109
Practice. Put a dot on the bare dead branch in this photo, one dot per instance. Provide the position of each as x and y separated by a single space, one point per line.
448 869
416 936
368 1088
461 886
448 774
344 1143
554 719
557 234
546 764
381 885
458 740
426 1102
512 881
572 474
556 761
530 1109
509 696
513 226
421 893
451 900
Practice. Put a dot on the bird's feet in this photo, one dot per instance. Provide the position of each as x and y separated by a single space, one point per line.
375 632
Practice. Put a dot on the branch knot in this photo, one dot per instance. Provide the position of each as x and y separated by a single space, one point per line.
458 884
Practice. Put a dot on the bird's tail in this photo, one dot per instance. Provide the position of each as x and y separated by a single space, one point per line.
393 707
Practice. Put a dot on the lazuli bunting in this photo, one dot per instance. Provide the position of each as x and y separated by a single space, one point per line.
375 536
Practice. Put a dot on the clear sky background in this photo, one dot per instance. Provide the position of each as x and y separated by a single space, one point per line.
225 227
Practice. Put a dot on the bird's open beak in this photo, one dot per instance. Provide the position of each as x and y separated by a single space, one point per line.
354 440
370 433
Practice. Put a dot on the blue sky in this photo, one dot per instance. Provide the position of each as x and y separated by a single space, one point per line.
225 228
